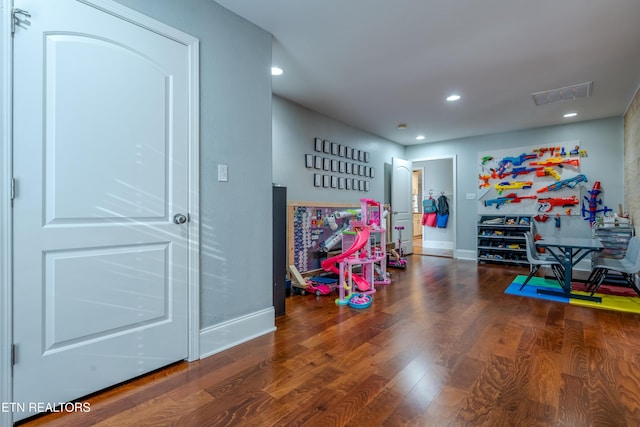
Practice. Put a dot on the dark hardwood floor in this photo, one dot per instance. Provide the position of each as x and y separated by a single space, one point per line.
441 346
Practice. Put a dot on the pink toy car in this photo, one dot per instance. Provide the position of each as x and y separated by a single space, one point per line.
319 289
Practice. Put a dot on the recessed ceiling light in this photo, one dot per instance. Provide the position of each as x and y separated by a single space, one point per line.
420 137
402 126
570 115
453 97
276 71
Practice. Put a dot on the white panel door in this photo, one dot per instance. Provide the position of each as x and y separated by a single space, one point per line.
101 164
401 176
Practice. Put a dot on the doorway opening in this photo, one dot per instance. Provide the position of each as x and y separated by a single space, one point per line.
434 178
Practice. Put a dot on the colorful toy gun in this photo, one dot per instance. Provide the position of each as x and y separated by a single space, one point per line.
593 204
541 151
514 161
515 185
548 171
578 152
557 161
509 198
520 171
485 181
545 205
571 183
516 171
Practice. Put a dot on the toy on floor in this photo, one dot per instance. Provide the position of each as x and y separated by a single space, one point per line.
397 260
321 285
360 300
362 249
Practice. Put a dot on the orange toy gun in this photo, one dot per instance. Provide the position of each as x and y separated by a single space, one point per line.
545 205
551 150
557 161
485 181
548 171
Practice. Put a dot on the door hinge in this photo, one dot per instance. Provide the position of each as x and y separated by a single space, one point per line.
13 189
14 351
14 18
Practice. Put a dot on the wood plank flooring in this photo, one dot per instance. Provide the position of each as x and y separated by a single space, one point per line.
419 250
441 346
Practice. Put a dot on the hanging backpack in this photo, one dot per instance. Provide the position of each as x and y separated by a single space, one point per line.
429 206
443 205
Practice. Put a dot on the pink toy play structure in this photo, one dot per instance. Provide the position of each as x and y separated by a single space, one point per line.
357 249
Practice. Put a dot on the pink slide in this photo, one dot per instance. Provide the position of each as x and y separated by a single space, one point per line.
329 264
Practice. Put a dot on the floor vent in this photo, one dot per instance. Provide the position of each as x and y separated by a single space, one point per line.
568 93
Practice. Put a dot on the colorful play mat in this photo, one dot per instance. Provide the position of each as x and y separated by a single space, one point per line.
616 298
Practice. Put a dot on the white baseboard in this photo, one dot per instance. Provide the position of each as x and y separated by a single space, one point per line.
431 244
223 336
465 254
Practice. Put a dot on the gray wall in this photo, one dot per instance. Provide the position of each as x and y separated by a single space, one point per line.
295 127
235 129
603 140
294 130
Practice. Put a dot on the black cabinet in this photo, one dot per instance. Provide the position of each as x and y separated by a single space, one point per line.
279 248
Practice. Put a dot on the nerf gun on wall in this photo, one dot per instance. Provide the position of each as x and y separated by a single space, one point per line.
551 150
517 171
545 205
515 185
509 198
514 161
485 181
557 161
544 171
593 202
571 183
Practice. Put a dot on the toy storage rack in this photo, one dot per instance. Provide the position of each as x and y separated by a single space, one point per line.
501 239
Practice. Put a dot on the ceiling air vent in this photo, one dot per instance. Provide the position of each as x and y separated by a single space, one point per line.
562 94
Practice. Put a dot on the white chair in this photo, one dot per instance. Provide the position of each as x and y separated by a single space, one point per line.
627 267
537 260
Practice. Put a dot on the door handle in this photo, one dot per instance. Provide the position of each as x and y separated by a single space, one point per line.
179 218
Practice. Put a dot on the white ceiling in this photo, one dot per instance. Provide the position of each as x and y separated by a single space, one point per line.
373 64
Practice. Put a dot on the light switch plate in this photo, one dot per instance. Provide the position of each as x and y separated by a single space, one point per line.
223 173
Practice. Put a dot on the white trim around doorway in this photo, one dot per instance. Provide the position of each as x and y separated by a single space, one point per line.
6 313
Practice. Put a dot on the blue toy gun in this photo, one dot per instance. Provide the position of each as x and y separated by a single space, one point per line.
509 198
515 161
571 183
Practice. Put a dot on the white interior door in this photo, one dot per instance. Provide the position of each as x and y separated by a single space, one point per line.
101 166
401 202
